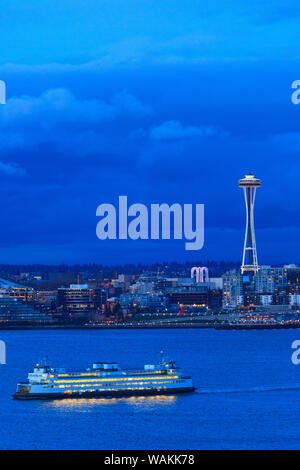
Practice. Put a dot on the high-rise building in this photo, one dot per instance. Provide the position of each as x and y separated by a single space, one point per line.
271 279
265 280
232 289
293 278
80 302
249 262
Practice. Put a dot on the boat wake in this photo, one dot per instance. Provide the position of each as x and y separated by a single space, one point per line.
276 388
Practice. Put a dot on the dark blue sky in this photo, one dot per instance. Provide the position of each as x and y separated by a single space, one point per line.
168 101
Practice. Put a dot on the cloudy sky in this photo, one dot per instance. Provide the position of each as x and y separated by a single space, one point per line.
168 101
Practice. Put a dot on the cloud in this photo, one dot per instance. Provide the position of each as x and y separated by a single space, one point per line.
125 103
11 169
132 52
57 116
60 105
173 130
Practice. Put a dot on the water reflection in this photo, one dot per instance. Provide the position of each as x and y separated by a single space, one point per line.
83 404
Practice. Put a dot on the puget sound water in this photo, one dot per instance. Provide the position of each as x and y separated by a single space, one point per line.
248 391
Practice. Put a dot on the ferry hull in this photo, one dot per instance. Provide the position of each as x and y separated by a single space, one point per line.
102 394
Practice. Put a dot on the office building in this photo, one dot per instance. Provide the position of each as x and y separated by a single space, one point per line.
80 302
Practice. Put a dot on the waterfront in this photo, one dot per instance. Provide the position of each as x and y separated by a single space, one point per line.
248 391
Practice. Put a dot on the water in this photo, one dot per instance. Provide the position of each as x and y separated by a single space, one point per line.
248 392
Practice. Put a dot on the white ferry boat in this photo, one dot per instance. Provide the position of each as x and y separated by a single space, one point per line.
103 380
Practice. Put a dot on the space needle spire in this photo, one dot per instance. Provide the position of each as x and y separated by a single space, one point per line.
249 263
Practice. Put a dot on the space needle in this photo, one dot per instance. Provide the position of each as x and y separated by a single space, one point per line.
249 263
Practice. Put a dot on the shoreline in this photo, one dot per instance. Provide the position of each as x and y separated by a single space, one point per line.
277 326
101 327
